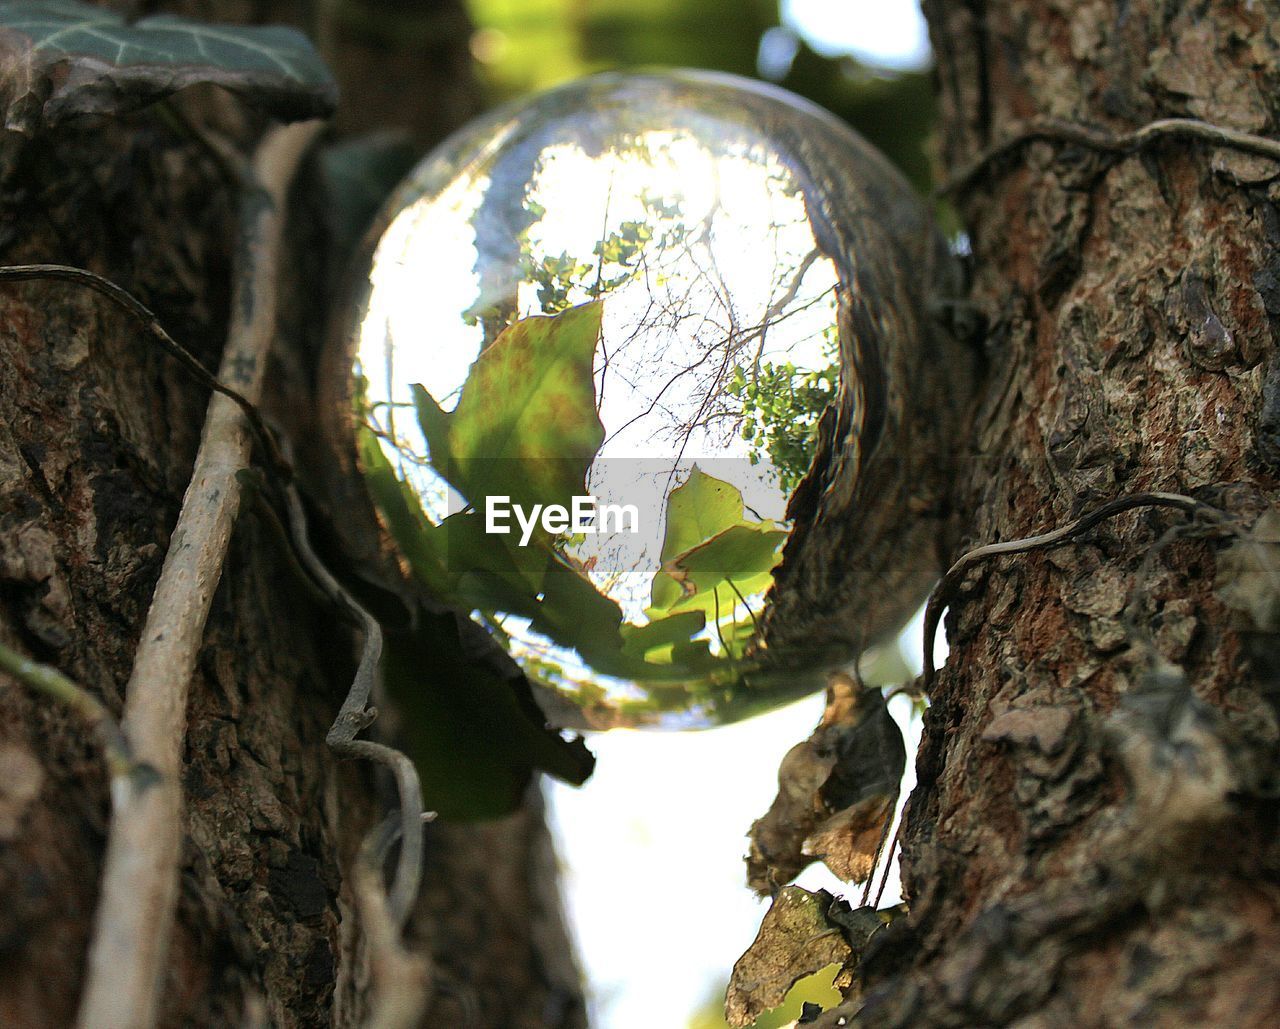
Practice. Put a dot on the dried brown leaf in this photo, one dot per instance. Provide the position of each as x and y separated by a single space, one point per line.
849 841
832 791
795 940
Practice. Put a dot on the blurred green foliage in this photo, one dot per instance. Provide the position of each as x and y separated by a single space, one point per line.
528 45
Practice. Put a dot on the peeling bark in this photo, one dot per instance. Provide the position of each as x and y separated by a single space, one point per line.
1093 840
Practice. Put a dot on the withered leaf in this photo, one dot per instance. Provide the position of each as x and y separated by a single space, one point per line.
795 940
849 841
60 58
836 792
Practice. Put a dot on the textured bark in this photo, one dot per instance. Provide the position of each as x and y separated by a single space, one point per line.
1087 844
97 434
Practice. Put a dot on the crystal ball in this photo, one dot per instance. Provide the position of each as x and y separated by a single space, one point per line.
598 335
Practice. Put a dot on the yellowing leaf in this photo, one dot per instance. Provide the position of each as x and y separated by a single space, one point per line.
707 545
698 509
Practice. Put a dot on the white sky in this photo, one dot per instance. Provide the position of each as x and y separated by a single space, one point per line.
651 854
891 33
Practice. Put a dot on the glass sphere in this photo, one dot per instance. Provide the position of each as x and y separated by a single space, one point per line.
598 333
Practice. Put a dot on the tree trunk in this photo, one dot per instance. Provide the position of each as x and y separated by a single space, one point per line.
98 430
1093 840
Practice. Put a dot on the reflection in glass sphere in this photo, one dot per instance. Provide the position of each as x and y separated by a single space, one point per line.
599 332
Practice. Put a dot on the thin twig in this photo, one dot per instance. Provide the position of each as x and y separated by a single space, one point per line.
1121 143
946 589
134 921
888 865
126 774
356 715
879 853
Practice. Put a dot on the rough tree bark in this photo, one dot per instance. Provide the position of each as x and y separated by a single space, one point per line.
1093 840
97 434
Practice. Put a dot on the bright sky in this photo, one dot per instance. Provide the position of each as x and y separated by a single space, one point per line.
651 854
891 33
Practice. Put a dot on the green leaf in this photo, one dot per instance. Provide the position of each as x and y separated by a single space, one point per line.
434 422
492 573
61 58
642 640
401 509
698 509
709 545
574 613
720 587
742 554
526 425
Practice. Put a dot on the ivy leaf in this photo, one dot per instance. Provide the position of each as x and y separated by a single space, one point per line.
526 425
698 509
61 58
712 556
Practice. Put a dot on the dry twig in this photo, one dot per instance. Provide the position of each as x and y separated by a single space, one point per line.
1119 144
401 980
946 589
126 774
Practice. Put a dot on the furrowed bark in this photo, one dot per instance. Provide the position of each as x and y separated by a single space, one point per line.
1093 838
